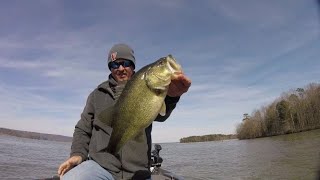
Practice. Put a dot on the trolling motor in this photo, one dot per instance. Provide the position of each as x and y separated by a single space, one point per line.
156 159
156 169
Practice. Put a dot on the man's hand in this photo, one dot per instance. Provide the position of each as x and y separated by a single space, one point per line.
69 164
180 84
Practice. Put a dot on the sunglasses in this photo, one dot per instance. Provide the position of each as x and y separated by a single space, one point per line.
116 65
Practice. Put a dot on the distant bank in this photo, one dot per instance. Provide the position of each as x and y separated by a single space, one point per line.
35 135
210 137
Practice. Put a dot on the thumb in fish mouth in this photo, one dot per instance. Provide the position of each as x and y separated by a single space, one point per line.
179 85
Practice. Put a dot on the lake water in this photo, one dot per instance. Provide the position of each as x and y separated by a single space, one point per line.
294 156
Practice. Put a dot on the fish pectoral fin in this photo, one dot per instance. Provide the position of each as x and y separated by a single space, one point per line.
106 116
139 137
163 109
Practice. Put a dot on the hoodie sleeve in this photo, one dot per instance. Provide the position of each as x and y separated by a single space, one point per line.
83 131
171 103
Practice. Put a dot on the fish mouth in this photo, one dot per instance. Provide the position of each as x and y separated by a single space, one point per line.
174 67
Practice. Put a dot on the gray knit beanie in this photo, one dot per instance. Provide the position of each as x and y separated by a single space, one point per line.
121 51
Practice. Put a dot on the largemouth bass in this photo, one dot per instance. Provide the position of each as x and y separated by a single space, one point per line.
140 102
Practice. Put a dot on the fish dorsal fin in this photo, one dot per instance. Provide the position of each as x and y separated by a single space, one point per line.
106 116
163 109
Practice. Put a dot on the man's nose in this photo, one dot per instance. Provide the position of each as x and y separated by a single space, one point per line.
121 68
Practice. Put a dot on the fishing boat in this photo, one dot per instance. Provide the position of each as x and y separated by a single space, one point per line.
157 173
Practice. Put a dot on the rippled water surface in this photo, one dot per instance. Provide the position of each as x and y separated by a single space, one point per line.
294 156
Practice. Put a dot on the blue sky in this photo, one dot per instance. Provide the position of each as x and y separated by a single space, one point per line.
240 56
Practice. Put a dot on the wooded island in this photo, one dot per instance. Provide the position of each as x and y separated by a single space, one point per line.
211 137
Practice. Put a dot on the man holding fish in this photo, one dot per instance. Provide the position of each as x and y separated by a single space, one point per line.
112 140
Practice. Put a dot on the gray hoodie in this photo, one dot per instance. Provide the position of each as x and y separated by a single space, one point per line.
91 136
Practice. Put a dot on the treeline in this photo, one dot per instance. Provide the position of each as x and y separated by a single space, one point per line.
295 111
211 137
35 135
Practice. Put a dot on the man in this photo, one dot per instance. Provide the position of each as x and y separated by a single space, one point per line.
88 157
